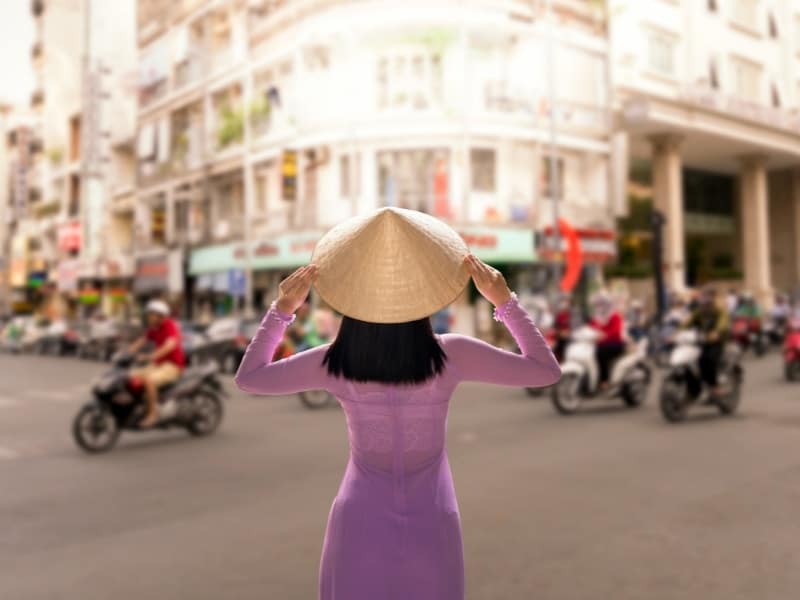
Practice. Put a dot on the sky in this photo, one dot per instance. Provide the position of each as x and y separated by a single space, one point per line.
16 39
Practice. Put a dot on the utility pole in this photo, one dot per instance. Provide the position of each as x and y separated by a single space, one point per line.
554 183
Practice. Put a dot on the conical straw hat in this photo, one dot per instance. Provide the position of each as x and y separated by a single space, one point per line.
391 266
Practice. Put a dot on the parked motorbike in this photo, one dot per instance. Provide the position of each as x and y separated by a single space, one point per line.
629 380
791 351
194 403
683 386
749 335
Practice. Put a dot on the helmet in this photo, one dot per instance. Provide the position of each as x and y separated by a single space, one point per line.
601 298
158 307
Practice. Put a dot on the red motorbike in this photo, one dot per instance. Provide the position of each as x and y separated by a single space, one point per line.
791 351
748 333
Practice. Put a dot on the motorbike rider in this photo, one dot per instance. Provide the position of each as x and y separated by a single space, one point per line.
563 326
748 307
637 320
165 363
780 310
610 344
712 323
303 332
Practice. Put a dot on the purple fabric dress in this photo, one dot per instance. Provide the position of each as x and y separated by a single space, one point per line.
394 531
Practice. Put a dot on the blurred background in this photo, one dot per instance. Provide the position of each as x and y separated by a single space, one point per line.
195 151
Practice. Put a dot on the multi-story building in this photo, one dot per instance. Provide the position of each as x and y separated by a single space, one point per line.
708 97
81 132
270 121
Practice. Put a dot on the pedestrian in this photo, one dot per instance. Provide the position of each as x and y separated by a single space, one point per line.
394 529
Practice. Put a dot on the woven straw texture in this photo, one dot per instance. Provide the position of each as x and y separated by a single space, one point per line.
391 266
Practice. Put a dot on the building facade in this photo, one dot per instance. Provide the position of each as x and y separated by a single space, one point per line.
262 124
707 100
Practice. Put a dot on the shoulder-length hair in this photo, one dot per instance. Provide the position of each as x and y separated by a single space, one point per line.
385 352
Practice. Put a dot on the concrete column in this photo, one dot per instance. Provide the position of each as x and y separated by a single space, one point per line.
795 216
668 198
755 228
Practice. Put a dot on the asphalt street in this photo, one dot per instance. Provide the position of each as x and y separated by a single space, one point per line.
612 503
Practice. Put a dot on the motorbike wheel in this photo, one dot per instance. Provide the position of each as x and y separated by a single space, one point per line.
672 402
729 404
791 370
207 414
230 363
94 429
759 347
315 399
565 395
634 392
534 392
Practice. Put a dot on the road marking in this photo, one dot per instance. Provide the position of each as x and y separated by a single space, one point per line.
51 395
6 402
8 453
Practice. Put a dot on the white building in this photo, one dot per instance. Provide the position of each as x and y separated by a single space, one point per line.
301 114
708 93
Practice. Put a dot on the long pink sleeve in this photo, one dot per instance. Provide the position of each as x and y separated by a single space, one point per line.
259 375
475 360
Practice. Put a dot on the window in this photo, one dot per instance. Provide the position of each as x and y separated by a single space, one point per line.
349 175
713 74
746 79
415 179
773 26
661 53
181 217
797 34
482 165
409 81
775 95
745 13
158 230
546 179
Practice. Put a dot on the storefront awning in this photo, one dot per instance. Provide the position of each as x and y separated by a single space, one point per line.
491 244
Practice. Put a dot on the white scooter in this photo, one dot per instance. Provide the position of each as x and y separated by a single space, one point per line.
629 380
683 386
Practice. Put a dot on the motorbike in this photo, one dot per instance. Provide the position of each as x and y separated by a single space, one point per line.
791 351
551 337
775 331
194 403
748 334
629 379
311 399
683 386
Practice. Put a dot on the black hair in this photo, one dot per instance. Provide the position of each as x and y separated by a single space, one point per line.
385 352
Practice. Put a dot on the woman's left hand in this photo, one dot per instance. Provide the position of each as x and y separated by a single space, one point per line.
293 290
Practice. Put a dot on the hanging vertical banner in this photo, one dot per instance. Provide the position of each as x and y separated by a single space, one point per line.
289 175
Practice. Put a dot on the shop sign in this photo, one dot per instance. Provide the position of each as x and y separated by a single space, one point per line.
281 252
115 268
67 278
597 245
18 272
69 236
37 279
289 175
500 244
151 274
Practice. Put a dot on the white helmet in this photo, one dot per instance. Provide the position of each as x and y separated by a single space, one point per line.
158 307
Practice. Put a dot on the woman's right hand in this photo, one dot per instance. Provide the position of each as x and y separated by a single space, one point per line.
489 281
293 290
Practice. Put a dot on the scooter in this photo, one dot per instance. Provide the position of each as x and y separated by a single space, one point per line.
791 351
630 374
748 333
194 403
683 386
